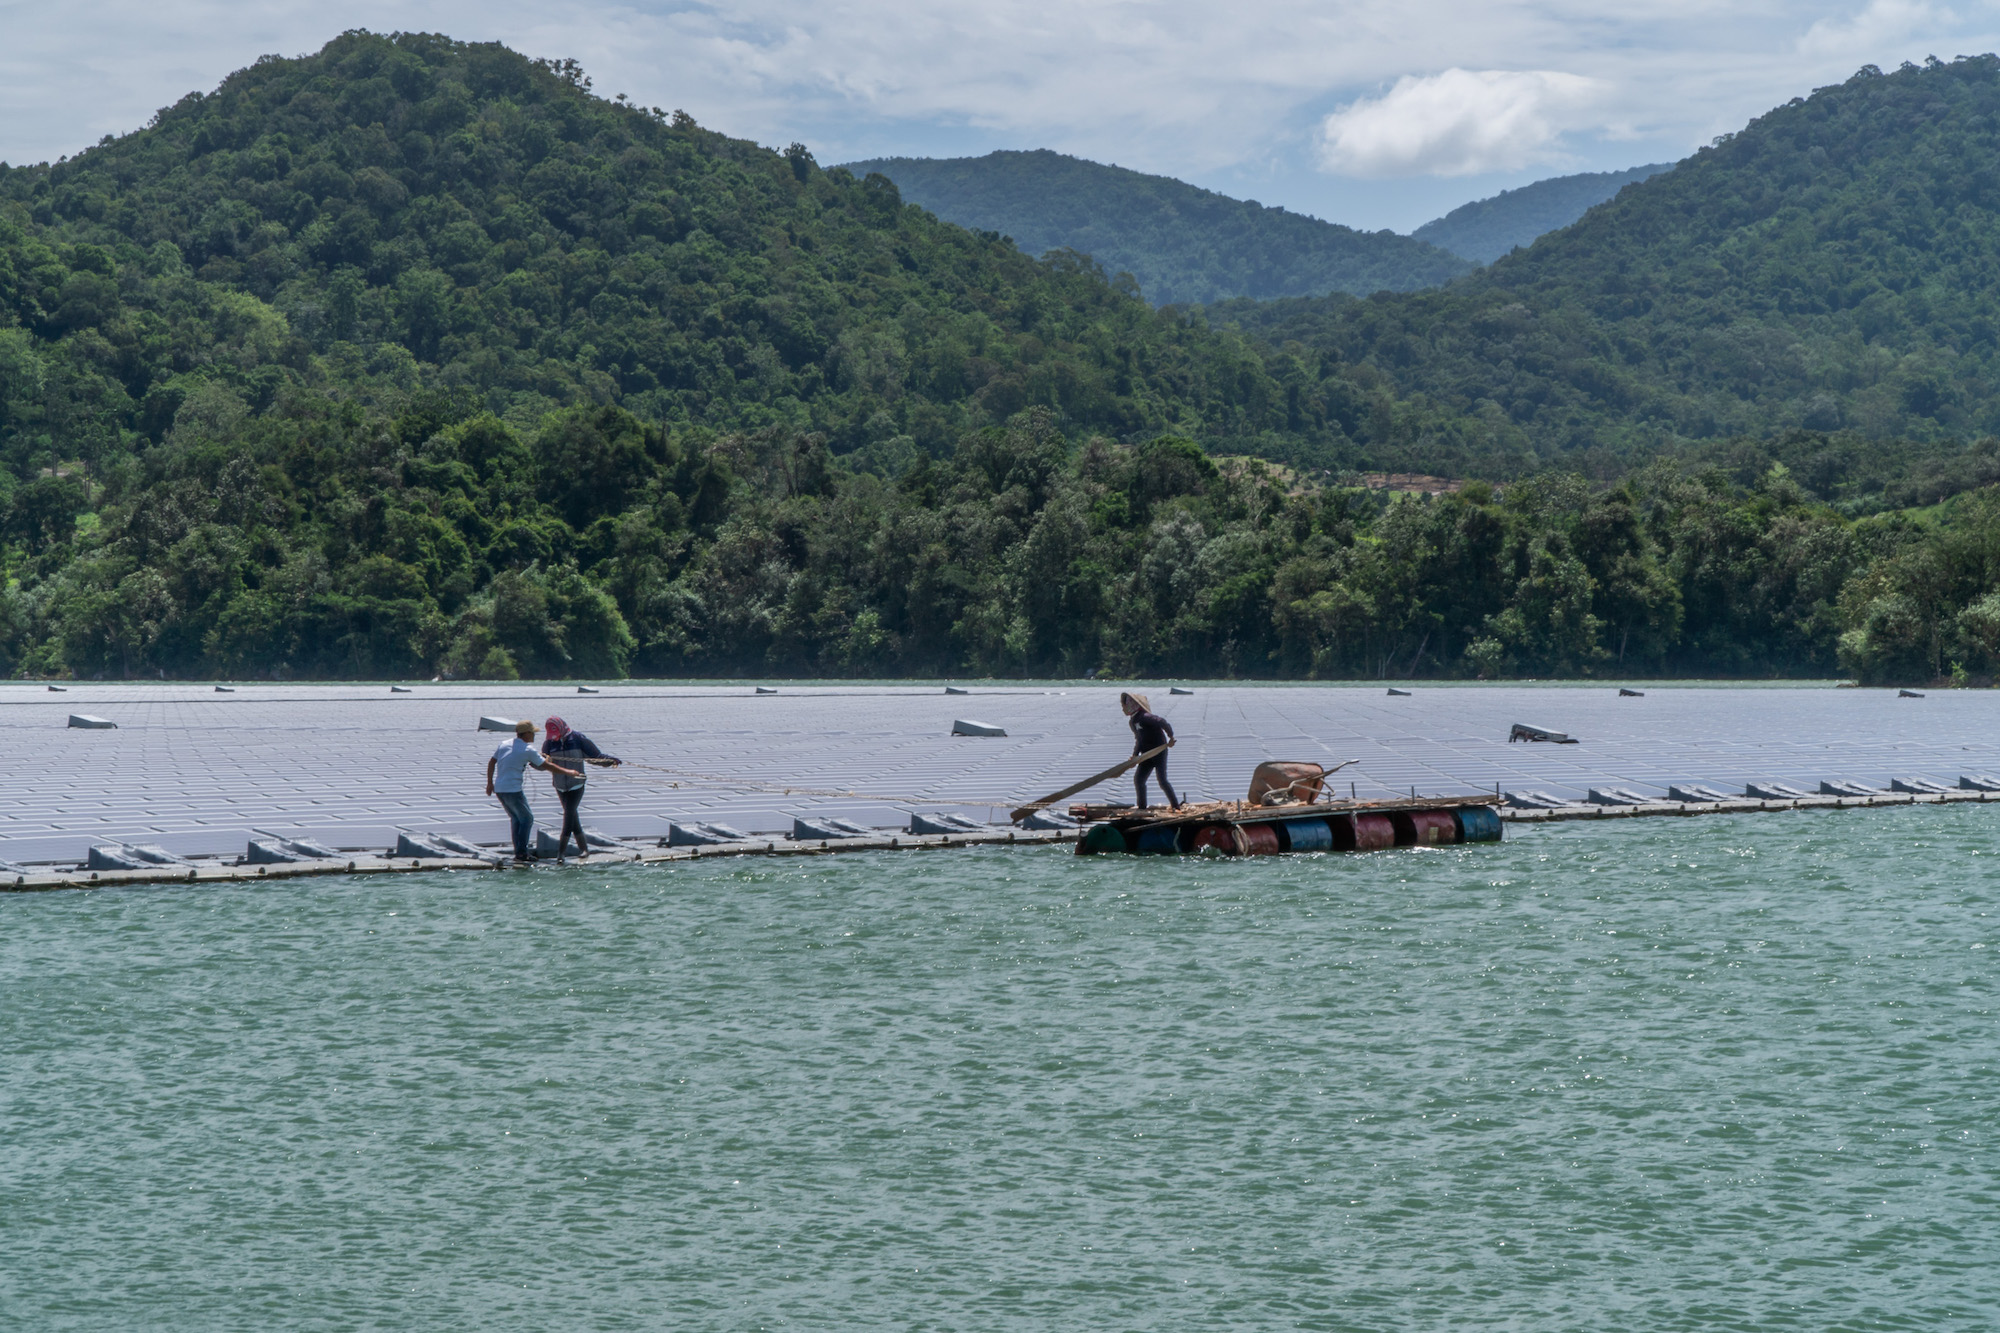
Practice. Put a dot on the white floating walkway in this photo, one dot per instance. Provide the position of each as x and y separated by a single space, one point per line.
195 771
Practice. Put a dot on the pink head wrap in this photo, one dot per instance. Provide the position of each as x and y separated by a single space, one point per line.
556 728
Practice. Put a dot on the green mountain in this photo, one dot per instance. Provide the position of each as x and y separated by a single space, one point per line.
1183 244
418 203
413 356
1485 229
1830 270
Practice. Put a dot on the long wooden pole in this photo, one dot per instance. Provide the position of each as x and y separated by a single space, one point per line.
1087 783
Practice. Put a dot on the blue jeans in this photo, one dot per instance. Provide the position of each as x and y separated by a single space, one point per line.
515 803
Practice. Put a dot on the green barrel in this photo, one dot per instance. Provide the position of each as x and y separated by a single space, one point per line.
1101 838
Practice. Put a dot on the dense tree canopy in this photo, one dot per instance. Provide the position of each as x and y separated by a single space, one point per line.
418 210
414 357
1181 243
1832 268
1486 229
315 539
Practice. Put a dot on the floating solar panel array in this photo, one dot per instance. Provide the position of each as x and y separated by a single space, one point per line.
195 773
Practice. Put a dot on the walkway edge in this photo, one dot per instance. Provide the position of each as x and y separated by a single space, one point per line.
1746 805
383 865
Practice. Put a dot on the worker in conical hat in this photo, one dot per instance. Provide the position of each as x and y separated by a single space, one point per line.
1149 732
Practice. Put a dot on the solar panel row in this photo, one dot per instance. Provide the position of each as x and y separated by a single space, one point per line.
194 771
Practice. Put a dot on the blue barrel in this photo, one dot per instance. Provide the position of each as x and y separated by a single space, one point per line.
1306 835
1477 823
1159 840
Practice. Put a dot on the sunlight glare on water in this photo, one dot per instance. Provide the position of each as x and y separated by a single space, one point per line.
1654 1074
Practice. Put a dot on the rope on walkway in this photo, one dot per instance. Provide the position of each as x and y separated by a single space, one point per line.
748 784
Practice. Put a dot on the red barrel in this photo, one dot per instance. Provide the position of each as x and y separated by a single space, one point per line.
1361 833
1373 832
1424 828
1215 838
1258 839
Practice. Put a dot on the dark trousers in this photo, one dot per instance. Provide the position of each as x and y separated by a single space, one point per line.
1157 766
515 803
571 799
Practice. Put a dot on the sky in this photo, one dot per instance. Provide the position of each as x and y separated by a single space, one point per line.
1372 113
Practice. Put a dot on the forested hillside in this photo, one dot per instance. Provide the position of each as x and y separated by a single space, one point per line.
415 357
1832 268
1485 229
423 203
1184 245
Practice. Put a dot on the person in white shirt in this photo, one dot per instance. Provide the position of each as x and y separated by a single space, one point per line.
504 772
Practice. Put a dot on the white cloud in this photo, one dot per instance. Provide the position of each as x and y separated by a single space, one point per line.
1462 122
1868 37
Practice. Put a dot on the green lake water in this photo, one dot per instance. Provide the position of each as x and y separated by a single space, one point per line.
1716 1073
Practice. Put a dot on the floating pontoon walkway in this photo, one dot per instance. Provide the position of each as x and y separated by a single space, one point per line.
1744 806
196 772
220 871
212 872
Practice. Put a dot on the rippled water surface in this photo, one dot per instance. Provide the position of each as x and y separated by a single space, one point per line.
1655 1074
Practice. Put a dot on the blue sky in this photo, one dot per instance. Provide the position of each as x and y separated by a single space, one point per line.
1368 113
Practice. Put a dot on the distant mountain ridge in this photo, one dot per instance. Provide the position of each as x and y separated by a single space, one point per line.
1486 229
1827 274
1183 244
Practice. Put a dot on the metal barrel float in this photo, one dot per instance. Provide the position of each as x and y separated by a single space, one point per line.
1424 828
1258 839
1260 833
1477 823
1102 838
1236 839
1361 832
1284 812
1305 835
1218 838
1341 831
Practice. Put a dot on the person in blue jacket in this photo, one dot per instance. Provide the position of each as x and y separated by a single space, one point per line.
1149 732
567 746
503 781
